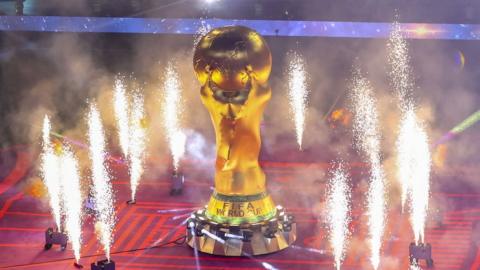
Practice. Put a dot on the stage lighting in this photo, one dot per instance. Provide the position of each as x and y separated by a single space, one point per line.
176 187
103 265
420 252
55 238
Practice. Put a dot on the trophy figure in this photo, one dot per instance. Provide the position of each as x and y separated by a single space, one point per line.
232 65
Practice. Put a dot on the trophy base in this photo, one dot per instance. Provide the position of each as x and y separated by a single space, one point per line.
246 239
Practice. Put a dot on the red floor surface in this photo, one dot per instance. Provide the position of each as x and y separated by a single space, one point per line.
23 220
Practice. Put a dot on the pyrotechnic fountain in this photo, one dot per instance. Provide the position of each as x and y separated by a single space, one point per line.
130 114
401 78
367 139
72 199
121 106
102 188
338 212
413 153
297 93
50 173
61 176
136 143
172 112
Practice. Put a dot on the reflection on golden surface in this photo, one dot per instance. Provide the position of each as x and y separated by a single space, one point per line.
233 65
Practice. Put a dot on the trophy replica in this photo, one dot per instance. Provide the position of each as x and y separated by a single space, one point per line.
232 65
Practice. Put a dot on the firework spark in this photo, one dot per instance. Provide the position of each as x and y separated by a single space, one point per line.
137 143
338 205
50 173
103 195
413 154
367 139
202 30
172 113
406 153
131 133
72 200
400 71
121 114
401 76
297 94
414 160
421 188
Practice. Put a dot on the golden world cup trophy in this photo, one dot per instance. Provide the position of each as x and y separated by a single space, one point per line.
233 65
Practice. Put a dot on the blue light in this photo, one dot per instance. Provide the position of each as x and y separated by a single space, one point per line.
264 27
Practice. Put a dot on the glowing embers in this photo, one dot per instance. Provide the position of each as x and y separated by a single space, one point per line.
72 199
339 118
247 239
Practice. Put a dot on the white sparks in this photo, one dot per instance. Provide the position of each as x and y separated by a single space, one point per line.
72 200
61 176
400 71
414 167
420 185
400 74
103 195
413 154
202 30
172 111
338 218
405 153
376 212
297 94
137 143
121 115
50 174
367 139
131 133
